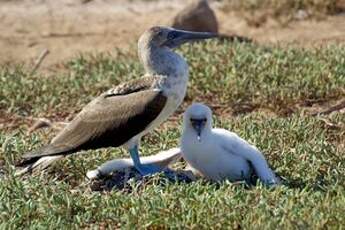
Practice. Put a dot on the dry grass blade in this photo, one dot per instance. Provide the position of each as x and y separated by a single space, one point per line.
332 109
39 60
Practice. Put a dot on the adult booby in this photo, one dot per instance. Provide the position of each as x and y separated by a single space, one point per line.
217 153
122 115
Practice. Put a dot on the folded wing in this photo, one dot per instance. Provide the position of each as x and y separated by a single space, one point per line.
237 146
109 120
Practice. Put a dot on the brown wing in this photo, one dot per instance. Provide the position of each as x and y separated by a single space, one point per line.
106 121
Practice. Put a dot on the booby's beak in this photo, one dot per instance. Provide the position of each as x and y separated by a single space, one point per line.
176 38
198 125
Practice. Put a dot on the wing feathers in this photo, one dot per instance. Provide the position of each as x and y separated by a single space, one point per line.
105 122
239 146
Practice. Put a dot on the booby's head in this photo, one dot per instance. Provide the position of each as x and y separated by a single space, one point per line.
160 36
198 117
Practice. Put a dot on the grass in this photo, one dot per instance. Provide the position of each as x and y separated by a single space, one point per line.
262 93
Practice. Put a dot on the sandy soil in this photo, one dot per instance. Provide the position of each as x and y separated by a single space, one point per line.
69 27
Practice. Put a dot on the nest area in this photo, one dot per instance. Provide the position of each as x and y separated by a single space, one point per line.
125 179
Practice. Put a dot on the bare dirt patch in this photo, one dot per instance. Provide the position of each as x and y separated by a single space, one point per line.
69 27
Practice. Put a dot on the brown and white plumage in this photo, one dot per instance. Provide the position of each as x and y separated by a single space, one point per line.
100 122
122 115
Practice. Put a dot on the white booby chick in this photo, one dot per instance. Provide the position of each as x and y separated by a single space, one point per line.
219 154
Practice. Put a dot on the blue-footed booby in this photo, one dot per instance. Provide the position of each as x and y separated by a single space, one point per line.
219 154
122 115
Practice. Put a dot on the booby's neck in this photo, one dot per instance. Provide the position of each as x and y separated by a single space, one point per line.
162 61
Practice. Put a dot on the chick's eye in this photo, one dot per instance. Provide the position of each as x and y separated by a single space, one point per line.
198 120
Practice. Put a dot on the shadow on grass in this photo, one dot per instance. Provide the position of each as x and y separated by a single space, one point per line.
126 181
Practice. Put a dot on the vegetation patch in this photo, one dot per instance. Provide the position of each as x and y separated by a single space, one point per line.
245 84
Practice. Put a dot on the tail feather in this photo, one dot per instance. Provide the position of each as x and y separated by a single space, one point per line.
38 160
26 161
48 150
35 164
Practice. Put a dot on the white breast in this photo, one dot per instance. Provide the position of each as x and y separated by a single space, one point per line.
212 161
174 88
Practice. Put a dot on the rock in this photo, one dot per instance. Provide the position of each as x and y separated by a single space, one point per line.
301 15
197 16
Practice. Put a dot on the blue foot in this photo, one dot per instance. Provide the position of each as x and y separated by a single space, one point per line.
147 169
144 170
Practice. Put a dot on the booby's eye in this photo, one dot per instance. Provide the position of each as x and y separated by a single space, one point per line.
172 35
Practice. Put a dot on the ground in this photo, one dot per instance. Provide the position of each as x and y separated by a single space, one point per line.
69 27
267 92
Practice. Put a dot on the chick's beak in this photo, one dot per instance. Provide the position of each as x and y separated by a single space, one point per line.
198 125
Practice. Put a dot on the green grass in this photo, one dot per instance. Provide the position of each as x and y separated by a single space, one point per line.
241 82
233 75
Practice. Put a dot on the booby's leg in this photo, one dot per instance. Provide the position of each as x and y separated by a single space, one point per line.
143 169
149 169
